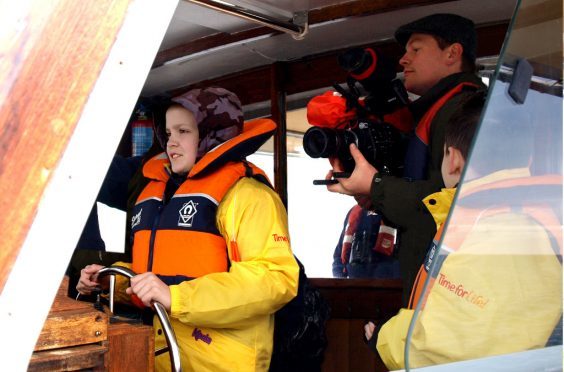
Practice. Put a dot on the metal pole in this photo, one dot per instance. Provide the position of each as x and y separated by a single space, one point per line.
161 313
296 30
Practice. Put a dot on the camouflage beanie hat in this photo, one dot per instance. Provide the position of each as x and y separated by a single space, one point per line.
218 114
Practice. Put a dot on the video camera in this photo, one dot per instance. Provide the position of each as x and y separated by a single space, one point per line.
341 119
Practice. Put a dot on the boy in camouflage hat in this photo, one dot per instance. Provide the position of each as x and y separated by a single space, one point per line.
210 238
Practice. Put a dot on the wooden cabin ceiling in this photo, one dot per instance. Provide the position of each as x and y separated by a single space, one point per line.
185 37
203 46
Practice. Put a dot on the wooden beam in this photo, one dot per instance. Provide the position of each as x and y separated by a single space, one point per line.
357 8
208 42
278 112
360 8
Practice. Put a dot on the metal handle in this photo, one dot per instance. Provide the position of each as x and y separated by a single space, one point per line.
159 308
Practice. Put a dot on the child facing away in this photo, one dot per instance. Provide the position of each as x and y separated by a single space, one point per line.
210 238
496 283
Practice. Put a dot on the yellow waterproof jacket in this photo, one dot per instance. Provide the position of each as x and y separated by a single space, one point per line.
392 335
498 291
224 321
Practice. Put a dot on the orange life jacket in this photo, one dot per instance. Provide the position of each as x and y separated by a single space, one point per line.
179 240
524 195
419 156
423 130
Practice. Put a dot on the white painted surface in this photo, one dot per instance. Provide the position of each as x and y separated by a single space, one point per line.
67 200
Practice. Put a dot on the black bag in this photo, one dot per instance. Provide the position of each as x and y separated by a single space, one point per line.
299 330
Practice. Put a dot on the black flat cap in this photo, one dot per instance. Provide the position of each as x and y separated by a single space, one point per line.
450 27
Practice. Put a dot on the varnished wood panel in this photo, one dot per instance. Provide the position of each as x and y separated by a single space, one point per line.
41 99
337 352
72 323
361 298
131 348
352 302
73 326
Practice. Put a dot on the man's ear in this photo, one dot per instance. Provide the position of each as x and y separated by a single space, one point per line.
456 161
454 53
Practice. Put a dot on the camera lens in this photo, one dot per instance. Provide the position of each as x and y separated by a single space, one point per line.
320 142
355 60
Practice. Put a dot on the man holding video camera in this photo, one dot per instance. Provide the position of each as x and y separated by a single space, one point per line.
438 65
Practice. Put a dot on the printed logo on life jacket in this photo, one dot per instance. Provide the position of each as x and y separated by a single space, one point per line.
198 335
136 220
430 256
462 292
279 238
187 213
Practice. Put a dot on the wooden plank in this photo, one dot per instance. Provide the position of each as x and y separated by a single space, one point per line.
71 327
72 323
86 357
361 8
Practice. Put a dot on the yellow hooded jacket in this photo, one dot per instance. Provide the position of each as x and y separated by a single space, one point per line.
498 291
224 321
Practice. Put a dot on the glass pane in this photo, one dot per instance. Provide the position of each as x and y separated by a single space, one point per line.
316 215
496 288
